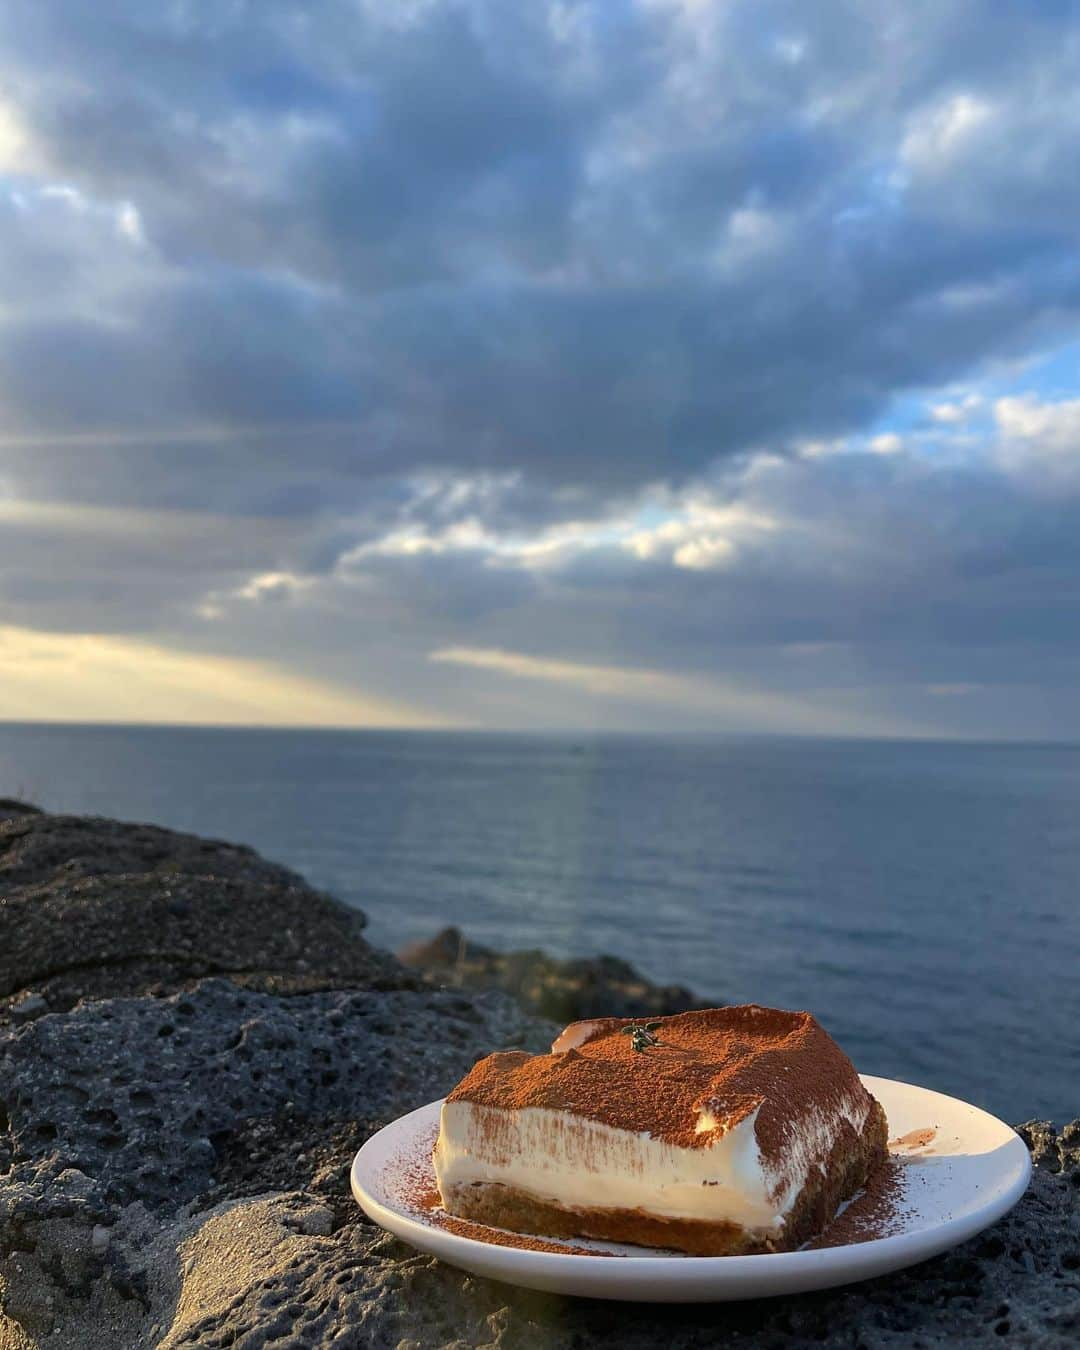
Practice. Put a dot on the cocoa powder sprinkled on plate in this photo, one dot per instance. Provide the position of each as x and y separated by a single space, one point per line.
915 1139
877 1211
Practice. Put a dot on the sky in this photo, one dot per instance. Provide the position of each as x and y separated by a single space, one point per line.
692 365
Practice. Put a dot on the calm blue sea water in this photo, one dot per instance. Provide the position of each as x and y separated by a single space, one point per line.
921 899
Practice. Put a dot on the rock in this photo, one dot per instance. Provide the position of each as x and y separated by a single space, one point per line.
36 848
94 908
28 1006
76 937
246 1274
1051 1151
141 1094
137 1116
12 809
318 1221
72 1182
174 1169
563 990
446 951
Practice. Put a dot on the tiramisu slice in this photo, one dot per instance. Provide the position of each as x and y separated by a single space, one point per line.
727 1131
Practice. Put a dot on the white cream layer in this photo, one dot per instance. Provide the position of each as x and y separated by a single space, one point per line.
583 1164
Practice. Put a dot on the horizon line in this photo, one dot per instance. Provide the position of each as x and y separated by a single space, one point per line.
542 731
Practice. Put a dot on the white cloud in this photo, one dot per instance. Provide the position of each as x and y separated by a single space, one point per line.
751 233
704 553
940 134
1039 441
541 548
700 534
15 150
412 541
822 449
956 412
1027 418
129 222
687 530
272 586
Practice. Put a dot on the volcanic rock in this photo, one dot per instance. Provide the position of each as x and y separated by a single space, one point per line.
563 990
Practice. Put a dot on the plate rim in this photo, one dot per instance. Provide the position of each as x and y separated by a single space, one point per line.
874 1256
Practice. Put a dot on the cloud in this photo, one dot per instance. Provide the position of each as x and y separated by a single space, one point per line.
699 532
957 412
12 140
940 135
887 443
718 704
718 344
272 587
1040 441
478 239
127 569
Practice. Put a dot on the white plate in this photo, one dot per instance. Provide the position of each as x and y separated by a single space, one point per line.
969 1174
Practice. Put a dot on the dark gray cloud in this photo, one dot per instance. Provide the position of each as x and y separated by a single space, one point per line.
376 299
600 243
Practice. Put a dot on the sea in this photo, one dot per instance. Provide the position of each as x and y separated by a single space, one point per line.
921 899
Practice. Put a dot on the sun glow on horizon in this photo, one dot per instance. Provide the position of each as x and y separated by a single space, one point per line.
85 677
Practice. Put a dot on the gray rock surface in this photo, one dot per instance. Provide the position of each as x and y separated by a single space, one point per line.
563 990
1012 1286
136 1093
129 934
96 908
174 1168
36 848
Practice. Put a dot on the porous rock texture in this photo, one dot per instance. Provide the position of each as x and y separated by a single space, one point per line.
92 907
563 990
36 847
174 1161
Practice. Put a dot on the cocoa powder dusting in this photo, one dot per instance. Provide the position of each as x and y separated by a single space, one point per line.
724 1061
915 1139
877 1211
